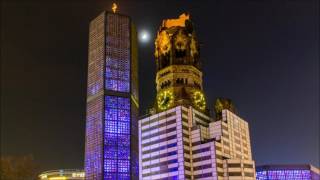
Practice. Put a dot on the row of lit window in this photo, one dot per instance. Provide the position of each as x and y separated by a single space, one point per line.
119 176
284 175
114 152
117 85
117 63
117 102
114 84
117 127
121 166
118 74
117 114
116 139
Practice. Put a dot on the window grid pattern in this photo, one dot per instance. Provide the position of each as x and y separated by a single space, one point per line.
94 115
117 138
93 156
284 175
110 119
117 54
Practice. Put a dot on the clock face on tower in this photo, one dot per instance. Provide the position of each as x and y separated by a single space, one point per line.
199 100
165 99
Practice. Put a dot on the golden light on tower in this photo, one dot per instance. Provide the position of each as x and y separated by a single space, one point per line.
114 7
179 75
176 22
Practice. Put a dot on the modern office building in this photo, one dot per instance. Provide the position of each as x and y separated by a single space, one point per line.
111 143
179 139
288 172
63 174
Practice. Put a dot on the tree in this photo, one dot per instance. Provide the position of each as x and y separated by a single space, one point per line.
18 168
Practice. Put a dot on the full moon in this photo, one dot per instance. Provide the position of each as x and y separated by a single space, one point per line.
144 36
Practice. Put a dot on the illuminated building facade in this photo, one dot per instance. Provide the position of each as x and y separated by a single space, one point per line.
179 139
285 172
63 174
111 145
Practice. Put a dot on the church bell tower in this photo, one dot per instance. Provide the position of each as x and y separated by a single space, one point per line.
179 75
178 139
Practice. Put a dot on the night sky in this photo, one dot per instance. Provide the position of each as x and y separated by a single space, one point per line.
264 55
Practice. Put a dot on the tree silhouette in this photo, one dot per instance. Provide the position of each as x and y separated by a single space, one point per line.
18 168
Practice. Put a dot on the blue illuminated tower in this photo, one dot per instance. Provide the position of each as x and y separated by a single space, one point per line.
111 145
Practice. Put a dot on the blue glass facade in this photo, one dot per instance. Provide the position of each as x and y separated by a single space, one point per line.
284 175
117 138
117 76
283 172
112 100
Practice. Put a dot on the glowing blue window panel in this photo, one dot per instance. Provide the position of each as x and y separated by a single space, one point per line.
284 175
261 175
122 176
110 165
111 102
111 114
124 103
111 84
123 115
110 176
124 75
111 73
123 86
110 152
124 127
123 166
123 153
124 140
110 139
112 62
111 126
